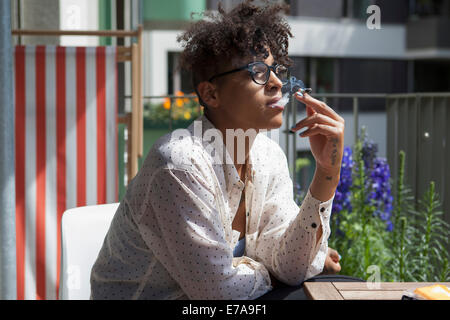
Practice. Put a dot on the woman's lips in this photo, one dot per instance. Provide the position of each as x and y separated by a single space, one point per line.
276 107
274 103
278 103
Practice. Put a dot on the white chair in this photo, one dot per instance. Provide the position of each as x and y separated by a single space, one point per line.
83 231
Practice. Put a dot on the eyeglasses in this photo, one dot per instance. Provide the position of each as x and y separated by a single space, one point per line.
260 72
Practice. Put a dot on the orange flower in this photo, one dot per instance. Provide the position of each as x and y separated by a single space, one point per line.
179 102
166 104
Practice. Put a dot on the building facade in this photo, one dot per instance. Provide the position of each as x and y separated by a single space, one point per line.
334 48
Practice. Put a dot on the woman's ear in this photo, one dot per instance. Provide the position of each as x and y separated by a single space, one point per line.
208 94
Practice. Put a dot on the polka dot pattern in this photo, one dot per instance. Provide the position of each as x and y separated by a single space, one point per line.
171 237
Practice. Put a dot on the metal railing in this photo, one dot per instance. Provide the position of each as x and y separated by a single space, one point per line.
419 124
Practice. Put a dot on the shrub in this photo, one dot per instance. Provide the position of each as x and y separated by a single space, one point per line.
181 111
406 239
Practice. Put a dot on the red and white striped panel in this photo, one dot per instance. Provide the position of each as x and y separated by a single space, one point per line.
66 151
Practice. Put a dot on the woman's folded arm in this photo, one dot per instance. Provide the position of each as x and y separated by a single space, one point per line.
189 240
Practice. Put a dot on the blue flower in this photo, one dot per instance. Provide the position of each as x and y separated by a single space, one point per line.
342 196
377 183
389 226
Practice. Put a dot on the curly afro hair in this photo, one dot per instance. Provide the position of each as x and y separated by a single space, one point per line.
246 31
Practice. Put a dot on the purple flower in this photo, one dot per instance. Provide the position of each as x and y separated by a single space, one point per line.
342 196
380 194
377 183
389 226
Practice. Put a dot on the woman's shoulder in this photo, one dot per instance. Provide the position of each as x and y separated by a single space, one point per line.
167 156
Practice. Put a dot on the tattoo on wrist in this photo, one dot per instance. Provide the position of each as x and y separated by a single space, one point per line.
334 153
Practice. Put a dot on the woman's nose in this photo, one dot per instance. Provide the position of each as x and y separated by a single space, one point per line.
274 81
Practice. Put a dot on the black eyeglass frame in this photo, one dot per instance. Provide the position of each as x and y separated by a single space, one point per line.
249 67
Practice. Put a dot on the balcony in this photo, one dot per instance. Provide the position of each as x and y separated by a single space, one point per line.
427 37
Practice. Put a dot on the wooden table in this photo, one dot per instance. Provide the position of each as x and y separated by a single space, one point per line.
362 290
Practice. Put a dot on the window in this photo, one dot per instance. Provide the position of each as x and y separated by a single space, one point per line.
427 8
178 79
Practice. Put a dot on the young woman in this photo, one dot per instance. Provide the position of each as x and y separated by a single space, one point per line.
209 216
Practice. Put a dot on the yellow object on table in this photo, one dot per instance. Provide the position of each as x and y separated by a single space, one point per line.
435 292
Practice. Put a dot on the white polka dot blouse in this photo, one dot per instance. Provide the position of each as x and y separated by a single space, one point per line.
172 237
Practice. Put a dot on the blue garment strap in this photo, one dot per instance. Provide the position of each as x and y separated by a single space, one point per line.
239 248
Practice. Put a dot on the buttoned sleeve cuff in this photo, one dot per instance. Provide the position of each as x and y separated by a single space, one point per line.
318 212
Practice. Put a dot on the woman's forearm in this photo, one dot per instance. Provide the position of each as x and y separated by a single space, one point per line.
324 184
323 187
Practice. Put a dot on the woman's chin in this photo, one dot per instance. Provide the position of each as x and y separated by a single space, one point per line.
275 122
